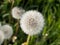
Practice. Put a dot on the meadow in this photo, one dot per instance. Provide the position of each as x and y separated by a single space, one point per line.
50 9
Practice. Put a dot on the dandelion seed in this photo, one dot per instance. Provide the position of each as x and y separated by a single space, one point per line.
8 31
32 22
1 37
17 12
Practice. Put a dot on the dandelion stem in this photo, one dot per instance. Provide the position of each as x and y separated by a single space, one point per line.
10 17
28 39
17 27
5 42
12 3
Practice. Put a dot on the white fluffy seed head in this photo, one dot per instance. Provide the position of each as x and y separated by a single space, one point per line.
17 12
1 37
8 31
32 22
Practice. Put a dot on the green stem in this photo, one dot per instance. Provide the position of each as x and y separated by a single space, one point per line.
10 17
17 27
5 42
28 39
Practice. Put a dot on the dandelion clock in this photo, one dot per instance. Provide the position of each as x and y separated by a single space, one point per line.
8 31
32 22
1 37
17 12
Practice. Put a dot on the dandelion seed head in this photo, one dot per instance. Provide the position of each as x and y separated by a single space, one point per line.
8 31
32 22
17 12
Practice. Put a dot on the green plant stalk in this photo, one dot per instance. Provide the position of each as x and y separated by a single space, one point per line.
5 42
28 39
17 27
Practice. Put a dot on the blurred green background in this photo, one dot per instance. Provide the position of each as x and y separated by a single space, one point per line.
51 12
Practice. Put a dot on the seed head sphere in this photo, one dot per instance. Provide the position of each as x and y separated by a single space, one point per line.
17 12
32 22
8 31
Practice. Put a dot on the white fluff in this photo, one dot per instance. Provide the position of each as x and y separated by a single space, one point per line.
1 37
8 31
32 22
17 12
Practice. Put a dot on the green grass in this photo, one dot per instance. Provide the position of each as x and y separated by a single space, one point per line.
51 12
